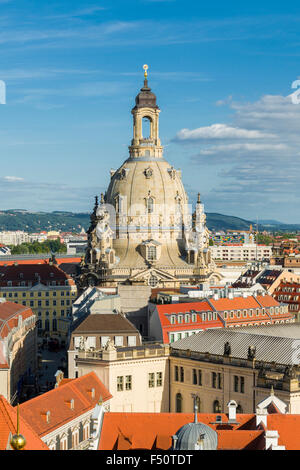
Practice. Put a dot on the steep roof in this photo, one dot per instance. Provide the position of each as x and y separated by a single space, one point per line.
58 400
102 322
8 427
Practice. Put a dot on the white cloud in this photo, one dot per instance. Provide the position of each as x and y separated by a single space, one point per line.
13 179
219 132
256 158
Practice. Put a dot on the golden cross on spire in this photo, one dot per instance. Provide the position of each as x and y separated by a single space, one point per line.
145 67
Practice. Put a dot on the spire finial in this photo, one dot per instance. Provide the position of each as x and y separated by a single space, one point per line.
145 67
272 391
102 198
18 441
198 200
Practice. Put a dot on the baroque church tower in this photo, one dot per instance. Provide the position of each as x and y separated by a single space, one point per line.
143 230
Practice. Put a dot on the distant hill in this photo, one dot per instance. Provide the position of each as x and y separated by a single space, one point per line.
20 219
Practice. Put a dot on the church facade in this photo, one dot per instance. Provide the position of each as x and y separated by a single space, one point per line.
143 230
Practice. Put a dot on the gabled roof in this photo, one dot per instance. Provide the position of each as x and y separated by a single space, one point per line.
8 427
58 400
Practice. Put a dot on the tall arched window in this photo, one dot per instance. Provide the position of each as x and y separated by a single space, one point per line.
178 403
216 406
47 325
150 205
239 409
54 324
198 404
146 129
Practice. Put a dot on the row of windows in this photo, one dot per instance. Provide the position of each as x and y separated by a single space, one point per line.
48 283
46 303
177 336
245 313
216 405
38 294
125 382
216 379
187 318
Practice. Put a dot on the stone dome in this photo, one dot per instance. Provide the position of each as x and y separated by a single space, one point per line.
188 437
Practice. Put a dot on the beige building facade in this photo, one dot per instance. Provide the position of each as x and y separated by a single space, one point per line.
137 378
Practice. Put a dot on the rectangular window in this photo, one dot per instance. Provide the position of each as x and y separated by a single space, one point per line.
199 377
181 374
128 382
236 383
159 379
214 380
195 381
219 380
131 340
242 384
119 383
151 379
119 340
176 373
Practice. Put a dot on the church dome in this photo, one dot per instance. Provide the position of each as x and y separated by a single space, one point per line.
193 436
145 98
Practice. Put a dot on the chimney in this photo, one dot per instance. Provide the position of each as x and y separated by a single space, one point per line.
261 416
232 405
271 439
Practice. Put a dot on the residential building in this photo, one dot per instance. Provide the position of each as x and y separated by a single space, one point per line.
269 277
18 348
69 416
137 377
46 289
171 322
289 293
95 331
241 251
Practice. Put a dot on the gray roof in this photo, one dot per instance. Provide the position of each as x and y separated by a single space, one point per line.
189 434
281 348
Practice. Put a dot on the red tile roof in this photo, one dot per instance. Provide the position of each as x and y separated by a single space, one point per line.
9 313
27 273
8 427
166 310
57 401
124 431
39 261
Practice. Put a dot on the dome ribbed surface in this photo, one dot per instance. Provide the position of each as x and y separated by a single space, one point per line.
190 433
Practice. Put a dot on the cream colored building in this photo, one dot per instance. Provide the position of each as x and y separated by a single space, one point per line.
143 231
137 378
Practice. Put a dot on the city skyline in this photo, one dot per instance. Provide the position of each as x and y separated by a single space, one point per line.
223 81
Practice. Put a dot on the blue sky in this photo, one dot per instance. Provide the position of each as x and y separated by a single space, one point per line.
222 73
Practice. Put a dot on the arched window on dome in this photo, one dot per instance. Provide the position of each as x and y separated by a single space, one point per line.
150 205
178 403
